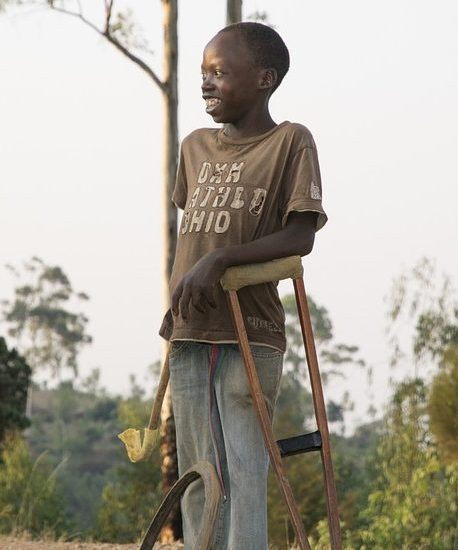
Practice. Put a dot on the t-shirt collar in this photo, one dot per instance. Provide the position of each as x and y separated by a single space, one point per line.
252 139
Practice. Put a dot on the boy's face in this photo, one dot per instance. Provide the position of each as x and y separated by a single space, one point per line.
231 81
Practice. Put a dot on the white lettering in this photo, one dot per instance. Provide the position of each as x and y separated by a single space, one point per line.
237 202
223 219
221 197
234 172
208 225
193 201
197 221
207 196
218 173
204 172
185 222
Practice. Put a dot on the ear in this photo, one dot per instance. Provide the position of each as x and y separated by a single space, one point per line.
268 78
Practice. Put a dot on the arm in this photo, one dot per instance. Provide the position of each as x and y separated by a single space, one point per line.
198 285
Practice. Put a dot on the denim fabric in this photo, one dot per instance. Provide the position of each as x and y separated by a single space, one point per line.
231 439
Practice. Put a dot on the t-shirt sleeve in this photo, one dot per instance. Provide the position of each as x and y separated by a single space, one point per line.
302 188
180 192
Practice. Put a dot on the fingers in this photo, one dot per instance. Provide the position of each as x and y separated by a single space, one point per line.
210 297
202 298
187 294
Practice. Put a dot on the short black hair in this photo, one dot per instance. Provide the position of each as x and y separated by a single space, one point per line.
267 46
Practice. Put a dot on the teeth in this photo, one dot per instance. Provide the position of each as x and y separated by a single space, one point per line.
212 101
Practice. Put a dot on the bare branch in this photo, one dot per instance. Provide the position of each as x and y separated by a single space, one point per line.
146 68
138 61
78 15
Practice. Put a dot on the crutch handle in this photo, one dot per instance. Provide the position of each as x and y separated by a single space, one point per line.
238 276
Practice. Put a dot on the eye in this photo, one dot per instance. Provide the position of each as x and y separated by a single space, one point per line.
203 75
218 73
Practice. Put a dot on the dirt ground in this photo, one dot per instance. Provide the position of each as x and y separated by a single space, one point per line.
9 543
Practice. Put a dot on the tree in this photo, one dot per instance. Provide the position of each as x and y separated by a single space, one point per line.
425 301
46 332
233 11
443 405
429 304
413 500
14 383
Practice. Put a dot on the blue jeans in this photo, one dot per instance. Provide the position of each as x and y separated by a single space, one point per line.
216 421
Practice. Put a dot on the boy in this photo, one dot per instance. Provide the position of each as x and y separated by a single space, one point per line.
251 192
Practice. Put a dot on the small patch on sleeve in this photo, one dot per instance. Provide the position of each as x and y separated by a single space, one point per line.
315 191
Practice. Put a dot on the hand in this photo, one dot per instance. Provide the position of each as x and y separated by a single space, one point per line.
198 285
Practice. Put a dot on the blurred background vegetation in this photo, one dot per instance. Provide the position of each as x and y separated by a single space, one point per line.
63 473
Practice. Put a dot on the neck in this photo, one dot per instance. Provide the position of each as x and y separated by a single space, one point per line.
247 127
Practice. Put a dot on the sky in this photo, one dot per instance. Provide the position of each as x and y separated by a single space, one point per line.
80 170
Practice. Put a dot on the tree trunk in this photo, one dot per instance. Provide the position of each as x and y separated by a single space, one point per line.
234 11
172 529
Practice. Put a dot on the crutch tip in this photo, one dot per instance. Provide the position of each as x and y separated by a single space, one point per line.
136 450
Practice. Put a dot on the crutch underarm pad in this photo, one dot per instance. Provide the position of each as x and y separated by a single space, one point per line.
254 274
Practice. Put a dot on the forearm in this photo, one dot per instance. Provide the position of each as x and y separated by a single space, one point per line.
296 238
198 285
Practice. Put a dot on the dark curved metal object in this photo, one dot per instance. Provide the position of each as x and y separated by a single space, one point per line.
205 471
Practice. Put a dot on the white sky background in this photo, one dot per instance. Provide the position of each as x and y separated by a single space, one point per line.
80 159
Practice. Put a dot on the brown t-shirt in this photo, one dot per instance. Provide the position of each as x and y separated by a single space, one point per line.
234 191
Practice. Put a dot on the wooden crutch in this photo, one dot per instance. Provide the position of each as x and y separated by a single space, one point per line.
287 268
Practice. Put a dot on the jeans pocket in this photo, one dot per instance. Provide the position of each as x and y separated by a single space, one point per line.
265 352
177 346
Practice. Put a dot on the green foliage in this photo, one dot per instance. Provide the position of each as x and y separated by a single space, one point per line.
30 499
305 476
130 499
430 305
427 302
293 412
129 502
413 499
14 383
47 333
80 429
293 416
102 492
322 539
353 471
443 405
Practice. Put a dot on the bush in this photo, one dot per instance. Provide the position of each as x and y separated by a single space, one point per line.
30 500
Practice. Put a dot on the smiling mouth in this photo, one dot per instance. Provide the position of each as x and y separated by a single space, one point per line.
211 103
